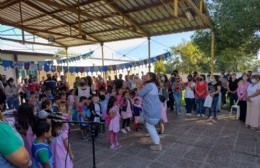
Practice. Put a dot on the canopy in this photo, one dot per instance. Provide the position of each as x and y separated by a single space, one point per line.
69 23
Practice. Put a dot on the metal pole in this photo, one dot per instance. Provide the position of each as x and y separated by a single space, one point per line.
212 52
67 61
102 49
149 53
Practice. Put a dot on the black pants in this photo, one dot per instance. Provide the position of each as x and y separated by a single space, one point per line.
243 109
170 103
126 122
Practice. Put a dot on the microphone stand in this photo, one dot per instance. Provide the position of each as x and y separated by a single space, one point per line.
92 128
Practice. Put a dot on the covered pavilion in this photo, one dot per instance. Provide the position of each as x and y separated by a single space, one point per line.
68 23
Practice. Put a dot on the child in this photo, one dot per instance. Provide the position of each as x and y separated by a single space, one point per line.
95 110
114 126
103 104
163 114
41 152
119 96
82 116
137 109
60 146
49 94
63 109
126 111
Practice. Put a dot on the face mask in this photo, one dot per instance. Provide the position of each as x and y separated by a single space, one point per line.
102 97
253 81
163 78
82 84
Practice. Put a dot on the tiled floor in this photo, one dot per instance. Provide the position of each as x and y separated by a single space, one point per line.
187 143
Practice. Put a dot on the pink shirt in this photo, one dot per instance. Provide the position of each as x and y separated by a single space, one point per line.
242 90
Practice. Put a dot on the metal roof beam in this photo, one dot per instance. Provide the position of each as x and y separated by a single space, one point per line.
83 13
196 9
125 16
57 11
8 3
30 42
60 20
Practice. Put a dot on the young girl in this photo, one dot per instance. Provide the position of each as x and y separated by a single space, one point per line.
62 154
119 96
137 109
163 114
63 109
41 152
126 111
114 126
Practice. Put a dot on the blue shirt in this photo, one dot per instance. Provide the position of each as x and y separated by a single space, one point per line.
151 103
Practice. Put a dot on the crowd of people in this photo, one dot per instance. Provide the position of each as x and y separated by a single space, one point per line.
39 137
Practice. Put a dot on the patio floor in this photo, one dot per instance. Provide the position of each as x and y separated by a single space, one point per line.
187 143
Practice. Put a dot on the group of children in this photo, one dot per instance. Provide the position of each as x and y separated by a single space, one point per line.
47 139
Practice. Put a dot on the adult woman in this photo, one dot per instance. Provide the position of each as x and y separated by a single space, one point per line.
253 103
214 88
83 89
11 92
164 87
241 93
25 122
151 107
189 95
12 152
177 93
201 94
232 89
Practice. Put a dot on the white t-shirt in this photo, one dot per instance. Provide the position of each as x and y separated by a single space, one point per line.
252 89
188 92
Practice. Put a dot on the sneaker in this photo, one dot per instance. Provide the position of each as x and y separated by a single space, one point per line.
128 129
118 146
203 115
210 118
113 146
123 131
188 114
198 115
155 147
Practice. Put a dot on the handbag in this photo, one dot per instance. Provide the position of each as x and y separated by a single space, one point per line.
208 101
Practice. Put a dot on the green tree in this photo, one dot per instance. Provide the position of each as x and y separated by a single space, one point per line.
159 67
188 58
236 26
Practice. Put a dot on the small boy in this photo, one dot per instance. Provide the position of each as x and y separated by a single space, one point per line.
137 109
49 94
41 152
103 104
96 113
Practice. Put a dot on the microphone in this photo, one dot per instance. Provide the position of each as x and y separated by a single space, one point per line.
43 114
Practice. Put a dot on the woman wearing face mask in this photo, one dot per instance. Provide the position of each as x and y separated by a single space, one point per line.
214 88
241 93
11 92
201 92
177 88
189 95
232 89
253 103
164 87
151 107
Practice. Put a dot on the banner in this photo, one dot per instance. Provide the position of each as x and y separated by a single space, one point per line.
48 66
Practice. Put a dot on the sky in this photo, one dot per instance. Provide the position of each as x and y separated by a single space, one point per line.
134 49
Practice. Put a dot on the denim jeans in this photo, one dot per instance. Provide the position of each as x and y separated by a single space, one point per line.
200 105
153 133
177 101
13 102
189 104
232 98
214 107
223 95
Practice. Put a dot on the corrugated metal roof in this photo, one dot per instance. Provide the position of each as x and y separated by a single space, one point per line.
102 20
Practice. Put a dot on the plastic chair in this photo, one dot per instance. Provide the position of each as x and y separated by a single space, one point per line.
237 107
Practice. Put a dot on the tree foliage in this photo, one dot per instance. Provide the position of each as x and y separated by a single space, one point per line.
159 67
236 25
187 58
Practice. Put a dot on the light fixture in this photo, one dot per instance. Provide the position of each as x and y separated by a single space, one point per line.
51 39
189 15
84 37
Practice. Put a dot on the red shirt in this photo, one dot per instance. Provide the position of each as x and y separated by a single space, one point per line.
33 87
200 88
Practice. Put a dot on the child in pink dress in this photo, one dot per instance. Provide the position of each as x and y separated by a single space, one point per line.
60 147
126 111
163 114
114 126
